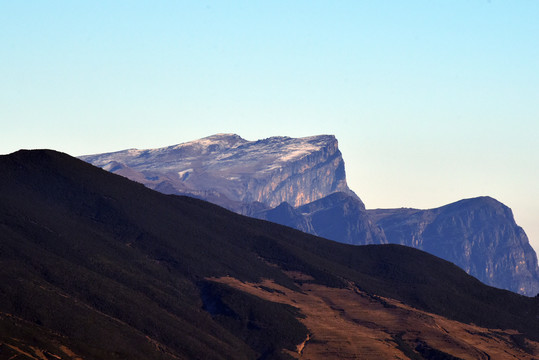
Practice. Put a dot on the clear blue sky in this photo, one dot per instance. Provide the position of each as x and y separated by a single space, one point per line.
432 101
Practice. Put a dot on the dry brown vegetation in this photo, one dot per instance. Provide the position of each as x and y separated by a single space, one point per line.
112 270
350 324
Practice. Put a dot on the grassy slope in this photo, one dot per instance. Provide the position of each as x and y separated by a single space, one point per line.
109 264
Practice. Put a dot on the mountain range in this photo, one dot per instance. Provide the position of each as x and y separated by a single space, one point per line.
95 266
301 183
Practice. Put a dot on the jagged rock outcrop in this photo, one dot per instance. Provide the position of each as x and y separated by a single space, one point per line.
479 235
232 171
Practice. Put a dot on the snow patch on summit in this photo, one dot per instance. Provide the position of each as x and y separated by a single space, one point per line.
269 171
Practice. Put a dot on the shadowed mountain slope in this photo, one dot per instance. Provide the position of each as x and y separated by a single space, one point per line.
96 266
338 216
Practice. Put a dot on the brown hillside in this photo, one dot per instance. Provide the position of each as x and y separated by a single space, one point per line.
350 324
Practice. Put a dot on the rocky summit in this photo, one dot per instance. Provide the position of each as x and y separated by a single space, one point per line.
232 171
301 183
479 235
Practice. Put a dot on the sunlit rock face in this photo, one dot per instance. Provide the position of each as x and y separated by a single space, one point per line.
232 171
479 235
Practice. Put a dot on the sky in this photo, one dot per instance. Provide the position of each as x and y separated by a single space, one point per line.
431 101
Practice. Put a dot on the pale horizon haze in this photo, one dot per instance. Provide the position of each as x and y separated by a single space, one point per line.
431 101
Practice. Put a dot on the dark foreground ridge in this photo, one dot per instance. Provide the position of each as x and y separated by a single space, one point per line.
96 265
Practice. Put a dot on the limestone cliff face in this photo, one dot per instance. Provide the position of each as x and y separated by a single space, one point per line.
233 171
479 235
300 180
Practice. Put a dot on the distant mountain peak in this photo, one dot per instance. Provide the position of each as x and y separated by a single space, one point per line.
478 234
269 171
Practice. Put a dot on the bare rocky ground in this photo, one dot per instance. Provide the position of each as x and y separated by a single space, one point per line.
351 324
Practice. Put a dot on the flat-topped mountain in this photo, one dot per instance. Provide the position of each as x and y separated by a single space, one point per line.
229 170
95 266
